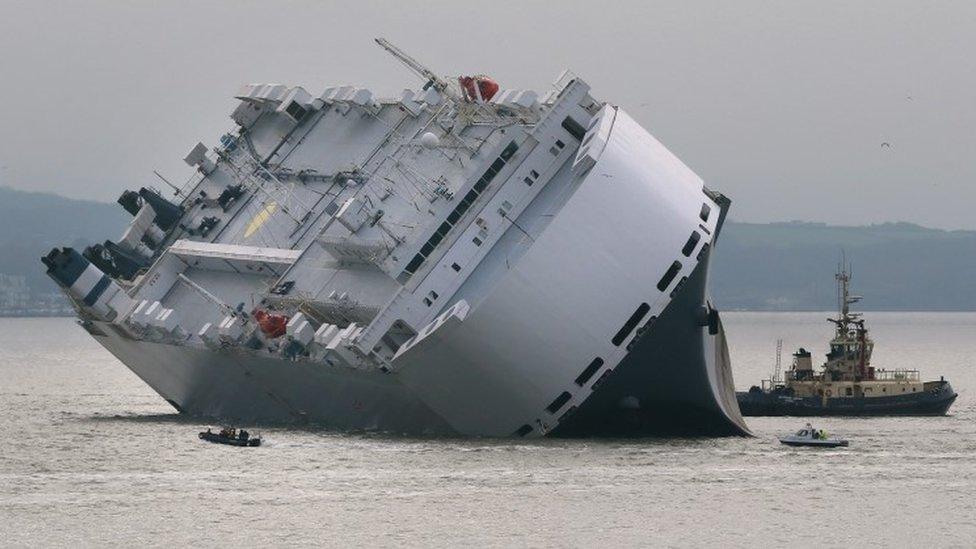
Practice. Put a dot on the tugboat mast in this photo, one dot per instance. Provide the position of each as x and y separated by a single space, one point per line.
845 300
850 326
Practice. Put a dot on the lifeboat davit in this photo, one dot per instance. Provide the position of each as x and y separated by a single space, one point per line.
272 325
478 88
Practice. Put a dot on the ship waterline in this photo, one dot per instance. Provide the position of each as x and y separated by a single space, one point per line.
475 262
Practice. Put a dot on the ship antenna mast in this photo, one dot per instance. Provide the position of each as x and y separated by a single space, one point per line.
779 360
437 82
842 279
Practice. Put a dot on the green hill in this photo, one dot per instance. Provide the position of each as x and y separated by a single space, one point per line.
33 223
897 266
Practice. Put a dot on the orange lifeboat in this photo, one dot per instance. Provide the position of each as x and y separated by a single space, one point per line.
478 88
272 325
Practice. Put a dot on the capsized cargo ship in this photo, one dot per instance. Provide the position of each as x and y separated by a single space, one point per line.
847 384
460 259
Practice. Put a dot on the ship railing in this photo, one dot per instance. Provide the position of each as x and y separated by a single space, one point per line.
564 79
190 184
899 374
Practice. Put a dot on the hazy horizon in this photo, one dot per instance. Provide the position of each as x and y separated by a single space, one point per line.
783 107
732 218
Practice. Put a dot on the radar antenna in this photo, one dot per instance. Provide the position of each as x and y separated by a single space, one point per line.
437 82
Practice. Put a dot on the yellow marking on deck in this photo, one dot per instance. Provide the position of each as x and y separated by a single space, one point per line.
260 218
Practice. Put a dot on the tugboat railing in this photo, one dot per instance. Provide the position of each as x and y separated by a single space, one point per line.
899 374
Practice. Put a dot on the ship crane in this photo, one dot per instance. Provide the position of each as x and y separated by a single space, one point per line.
433 80
223 307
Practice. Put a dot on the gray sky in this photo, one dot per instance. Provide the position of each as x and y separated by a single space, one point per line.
781 105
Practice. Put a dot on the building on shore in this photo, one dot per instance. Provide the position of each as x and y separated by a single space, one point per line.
17 299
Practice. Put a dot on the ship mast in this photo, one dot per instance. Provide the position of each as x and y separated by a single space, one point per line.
844 301
776 377
850 326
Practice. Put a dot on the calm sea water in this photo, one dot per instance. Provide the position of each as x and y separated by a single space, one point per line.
91 457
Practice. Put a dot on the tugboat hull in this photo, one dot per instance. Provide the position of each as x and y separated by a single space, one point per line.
931 402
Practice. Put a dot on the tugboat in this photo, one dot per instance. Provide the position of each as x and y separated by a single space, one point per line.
808 436
847 385
231 437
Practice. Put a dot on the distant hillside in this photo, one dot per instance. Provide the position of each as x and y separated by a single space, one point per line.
33 223
777 266
897 266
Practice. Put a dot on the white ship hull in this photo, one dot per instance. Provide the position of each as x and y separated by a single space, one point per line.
676 379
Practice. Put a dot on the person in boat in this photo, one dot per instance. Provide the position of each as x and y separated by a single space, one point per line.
244 435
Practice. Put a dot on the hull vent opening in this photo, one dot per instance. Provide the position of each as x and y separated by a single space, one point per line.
631 323
560 401
690 245
672 272
588 372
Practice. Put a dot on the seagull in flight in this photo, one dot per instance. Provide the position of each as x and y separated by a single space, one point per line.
886 144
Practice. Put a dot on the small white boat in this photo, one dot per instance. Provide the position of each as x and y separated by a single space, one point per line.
808 436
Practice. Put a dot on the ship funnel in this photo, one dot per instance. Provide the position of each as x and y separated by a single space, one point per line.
167 213
114 260
131 202
89 287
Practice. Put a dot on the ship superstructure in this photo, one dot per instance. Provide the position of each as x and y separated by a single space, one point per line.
458 259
